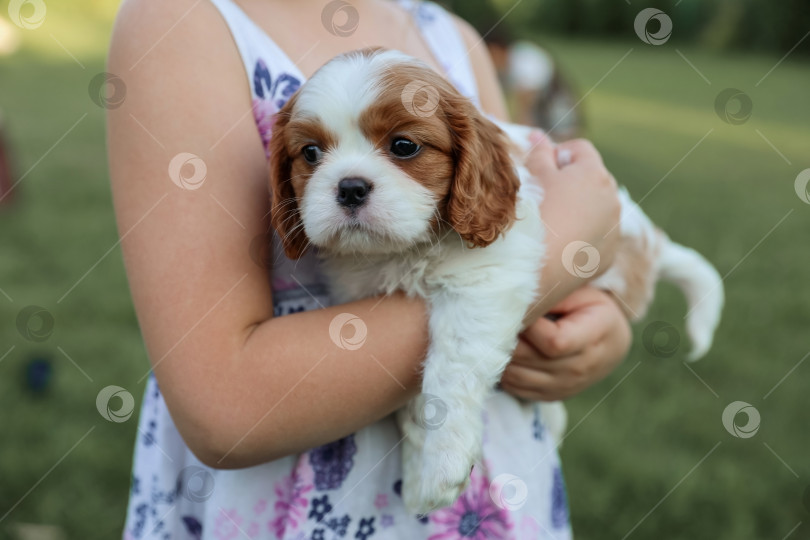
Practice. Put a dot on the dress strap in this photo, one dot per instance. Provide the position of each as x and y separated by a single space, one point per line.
441 34
253 42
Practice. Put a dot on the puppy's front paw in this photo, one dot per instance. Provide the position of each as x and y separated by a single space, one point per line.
444 475
411 471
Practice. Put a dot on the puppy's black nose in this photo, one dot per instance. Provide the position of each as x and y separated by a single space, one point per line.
352 192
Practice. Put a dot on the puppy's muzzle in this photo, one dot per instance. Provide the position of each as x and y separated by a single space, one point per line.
352 192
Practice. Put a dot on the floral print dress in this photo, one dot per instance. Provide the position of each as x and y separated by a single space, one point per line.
349 489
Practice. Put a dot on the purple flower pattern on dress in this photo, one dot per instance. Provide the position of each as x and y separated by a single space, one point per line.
290 505
474 515
538 429
332 462
365 528
270 96
193 526
559 501
227 524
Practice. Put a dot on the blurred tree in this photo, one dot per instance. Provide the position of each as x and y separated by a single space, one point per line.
742 24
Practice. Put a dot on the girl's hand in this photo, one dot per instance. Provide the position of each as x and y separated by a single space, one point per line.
580 205
578 187
555 360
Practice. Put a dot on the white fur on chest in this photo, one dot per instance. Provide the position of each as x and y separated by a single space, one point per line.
445 264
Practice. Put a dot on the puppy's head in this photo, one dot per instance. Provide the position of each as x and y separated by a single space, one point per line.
377 152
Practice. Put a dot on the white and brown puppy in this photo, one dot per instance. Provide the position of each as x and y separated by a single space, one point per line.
401 184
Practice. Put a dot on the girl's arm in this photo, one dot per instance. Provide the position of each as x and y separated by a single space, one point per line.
243 387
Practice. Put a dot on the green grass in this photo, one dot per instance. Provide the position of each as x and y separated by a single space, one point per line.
638 439
723 199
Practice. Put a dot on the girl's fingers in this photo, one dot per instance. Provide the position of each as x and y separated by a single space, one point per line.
569 335
541 159
582 152
525 354
527 378
538 334
580 329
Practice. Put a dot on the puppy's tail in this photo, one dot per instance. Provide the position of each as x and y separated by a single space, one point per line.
680 265
703 288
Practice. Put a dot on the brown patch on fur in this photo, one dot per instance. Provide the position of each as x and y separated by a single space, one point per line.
480 195
388 120
284 170
634 261
305 131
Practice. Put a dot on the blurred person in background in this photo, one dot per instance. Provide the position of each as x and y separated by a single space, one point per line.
536 90
9 43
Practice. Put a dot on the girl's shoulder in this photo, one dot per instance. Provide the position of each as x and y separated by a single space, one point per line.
153 34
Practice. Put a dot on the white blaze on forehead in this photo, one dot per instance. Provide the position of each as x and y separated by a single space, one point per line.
339 92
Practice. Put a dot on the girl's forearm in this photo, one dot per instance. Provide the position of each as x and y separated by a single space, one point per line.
300 388
294 387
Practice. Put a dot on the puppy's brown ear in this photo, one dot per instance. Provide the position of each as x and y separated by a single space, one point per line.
284 212
484 189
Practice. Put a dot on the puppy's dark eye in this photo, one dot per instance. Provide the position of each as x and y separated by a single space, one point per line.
403 148
312 154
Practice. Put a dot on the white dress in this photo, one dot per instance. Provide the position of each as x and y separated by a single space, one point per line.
350 488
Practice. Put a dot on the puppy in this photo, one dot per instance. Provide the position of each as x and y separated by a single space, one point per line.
402 184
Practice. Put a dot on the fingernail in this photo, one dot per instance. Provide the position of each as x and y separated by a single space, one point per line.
564 157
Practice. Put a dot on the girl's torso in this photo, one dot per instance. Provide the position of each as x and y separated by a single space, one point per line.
350 488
